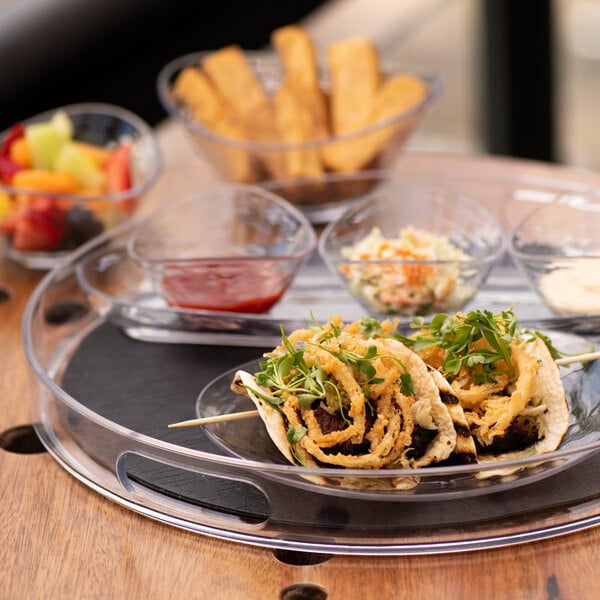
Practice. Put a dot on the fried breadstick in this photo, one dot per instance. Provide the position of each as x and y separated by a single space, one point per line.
355 80
245 96
295 123
297 52
396 96
196 92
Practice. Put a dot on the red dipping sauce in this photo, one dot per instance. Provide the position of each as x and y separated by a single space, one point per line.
244 286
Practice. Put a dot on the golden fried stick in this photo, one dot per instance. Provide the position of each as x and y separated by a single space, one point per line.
396 96
196 92
245 96
355 80
237 83
399 94
295 123
297 52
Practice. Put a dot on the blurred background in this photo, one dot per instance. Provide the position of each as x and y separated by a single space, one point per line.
522 77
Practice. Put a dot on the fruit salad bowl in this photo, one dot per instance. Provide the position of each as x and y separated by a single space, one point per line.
70 174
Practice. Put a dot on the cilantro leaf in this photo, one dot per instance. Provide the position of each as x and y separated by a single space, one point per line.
406 384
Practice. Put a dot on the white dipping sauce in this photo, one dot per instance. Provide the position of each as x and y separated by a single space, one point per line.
572 288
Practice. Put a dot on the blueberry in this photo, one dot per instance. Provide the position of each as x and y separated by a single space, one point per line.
82 225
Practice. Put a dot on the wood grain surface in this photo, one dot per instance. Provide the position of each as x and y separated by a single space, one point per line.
60 539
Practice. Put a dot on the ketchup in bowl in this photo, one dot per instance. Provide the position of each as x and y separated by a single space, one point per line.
232 248
243 286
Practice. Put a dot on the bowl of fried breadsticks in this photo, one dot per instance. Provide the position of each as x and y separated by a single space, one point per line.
292 114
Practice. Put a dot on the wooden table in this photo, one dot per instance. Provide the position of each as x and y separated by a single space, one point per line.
60 539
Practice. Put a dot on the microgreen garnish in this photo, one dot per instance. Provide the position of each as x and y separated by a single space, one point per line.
294 435
362 363
406 384
370 327
530 451
457 336
340 403
288 373
553 351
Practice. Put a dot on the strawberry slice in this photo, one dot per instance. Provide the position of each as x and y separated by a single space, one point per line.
118 172
118 175
36 234
40 227
15 132
8 168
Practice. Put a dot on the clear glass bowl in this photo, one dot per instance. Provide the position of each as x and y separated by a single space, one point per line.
234 248
414 286
557 246
315 196
103 125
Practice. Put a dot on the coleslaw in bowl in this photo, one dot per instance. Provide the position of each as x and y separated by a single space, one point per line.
413 248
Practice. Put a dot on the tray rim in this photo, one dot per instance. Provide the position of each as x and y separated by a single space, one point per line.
397 549
139 503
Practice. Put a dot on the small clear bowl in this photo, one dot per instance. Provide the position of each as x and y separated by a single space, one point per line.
252 162
233 248
82 217
468 238
557 246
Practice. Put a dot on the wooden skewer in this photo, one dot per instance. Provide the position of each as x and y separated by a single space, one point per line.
215 419
567 360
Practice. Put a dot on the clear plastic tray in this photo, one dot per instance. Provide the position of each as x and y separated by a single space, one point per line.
121 447
104 397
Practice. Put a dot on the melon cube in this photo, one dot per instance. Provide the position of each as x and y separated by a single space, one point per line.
44 142
71 159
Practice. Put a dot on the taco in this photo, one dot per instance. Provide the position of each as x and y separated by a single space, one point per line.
504 379
350 396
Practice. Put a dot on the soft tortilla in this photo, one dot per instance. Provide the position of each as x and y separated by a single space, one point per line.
548 387
464 451
242 384
443 444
